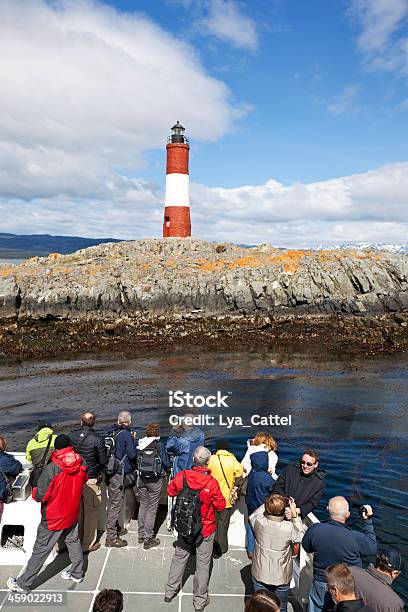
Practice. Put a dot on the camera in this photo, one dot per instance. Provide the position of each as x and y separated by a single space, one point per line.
365 511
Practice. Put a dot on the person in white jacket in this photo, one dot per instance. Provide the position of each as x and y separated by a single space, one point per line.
262 442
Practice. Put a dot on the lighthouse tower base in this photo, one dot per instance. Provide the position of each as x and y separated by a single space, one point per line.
177 223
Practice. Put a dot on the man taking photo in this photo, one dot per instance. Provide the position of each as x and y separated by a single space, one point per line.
335 542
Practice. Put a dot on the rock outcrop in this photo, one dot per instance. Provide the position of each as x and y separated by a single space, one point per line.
183 276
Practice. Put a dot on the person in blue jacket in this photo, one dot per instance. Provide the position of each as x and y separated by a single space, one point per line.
182 444
334 542
260 484
126 452
8 467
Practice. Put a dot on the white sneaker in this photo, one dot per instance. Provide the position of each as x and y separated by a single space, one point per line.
13 586
66 575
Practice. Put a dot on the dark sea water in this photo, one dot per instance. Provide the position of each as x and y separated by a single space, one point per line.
354 411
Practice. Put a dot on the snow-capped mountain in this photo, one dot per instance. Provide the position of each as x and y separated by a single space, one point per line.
401 249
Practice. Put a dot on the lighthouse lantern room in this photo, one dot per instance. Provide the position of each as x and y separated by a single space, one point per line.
177 222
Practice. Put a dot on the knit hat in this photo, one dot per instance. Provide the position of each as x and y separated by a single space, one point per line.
62 441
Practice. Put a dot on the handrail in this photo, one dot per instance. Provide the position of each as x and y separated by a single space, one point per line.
186 140
303 568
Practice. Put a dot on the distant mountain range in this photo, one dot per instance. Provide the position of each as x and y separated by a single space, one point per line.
401 249
22 246
15 246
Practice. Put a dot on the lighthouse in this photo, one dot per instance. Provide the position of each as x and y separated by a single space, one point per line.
177 222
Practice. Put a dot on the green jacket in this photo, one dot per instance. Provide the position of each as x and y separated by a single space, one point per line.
37 445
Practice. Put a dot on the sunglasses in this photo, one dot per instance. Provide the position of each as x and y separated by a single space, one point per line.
308 463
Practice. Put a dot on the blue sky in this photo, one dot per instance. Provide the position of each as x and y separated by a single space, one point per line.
305 62
297 114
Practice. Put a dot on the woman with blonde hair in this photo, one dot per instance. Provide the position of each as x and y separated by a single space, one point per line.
261 442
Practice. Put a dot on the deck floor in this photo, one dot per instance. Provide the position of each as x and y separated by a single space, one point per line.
141 576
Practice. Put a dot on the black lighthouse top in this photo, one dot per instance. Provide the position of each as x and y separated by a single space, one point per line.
178 135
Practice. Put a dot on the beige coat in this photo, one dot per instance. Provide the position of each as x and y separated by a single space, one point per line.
272 562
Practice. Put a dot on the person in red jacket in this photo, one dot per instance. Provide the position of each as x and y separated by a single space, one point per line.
59 490
212 500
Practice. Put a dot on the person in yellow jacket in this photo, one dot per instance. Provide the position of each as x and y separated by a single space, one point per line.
225 468
37 446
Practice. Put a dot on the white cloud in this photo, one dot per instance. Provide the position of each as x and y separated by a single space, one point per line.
378 195
402 106
223 19
87 90
226 21
344 102
361 207
382 40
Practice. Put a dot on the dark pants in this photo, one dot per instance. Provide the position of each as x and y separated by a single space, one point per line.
44 544
281 591
149 497
222 521
116 494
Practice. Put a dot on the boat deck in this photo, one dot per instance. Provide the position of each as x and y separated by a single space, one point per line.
141 575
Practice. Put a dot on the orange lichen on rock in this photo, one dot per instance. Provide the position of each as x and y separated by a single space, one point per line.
219 264
93 269
243 262
54 256
210 266
289 260
6 271
365 255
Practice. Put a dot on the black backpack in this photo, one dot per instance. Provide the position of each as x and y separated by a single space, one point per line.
187 515
113 465
149 463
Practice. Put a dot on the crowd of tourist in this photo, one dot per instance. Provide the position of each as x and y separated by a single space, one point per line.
203 488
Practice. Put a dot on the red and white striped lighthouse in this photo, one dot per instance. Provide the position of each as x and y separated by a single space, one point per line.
177 222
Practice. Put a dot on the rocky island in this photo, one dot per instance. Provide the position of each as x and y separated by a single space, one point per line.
157 292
